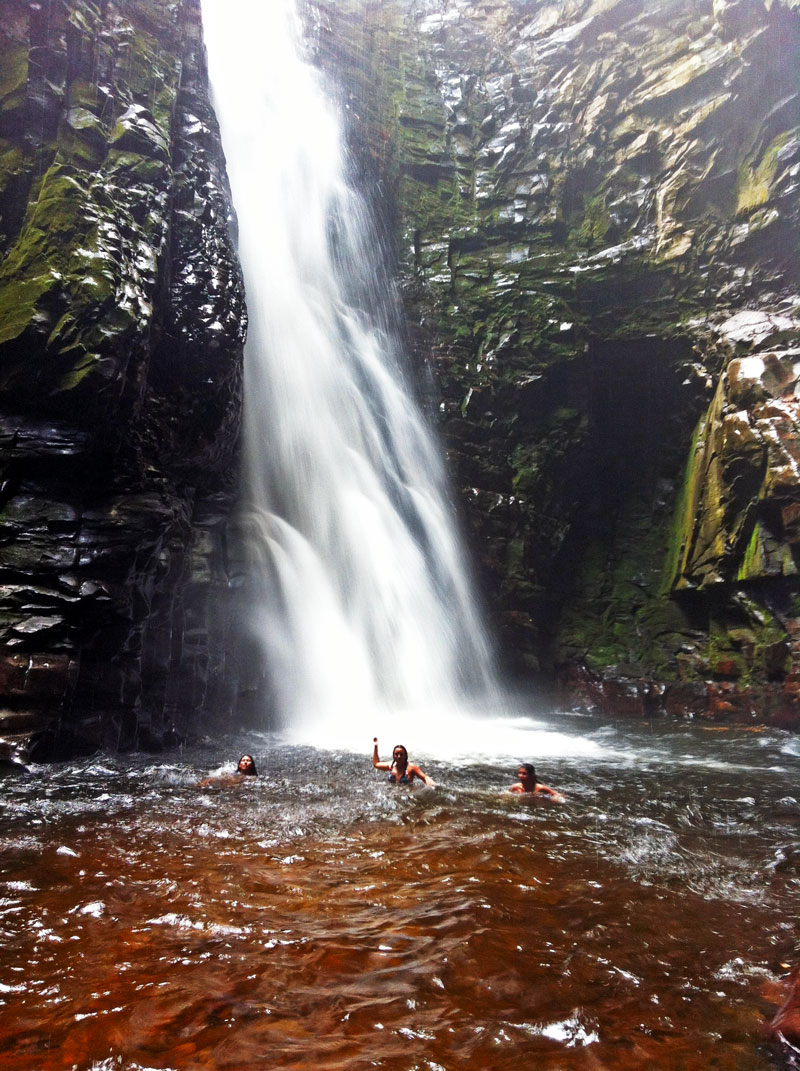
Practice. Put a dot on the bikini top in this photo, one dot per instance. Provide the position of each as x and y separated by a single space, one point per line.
404 780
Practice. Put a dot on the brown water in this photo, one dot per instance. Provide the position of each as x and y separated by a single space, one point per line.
318 918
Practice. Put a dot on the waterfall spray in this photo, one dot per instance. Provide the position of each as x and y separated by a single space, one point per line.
364 603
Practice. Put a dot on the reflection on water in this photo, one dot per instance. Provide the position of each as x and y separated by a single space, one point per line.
317 917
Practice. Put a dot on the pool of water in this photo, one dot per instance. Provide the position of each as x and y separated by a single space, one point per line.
317 917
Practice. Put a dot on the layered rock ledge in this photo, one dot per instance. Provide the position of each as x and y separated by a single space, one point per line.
595 206
121 330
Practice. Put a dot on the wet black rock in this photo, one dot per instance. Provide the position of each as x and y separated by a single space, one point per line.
121 332
595 210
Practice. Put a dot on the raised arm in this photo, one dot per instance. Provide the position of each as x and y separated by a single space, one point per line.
375 760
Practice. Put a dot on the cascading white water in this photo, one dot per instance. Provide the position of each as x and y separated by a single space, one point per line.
364 603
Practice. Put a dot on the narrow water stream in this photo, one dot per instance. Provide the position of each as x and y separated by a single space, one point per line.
317 917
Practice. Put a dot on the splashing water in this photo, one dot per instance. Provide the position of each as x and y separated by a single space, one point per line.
364 602
316 916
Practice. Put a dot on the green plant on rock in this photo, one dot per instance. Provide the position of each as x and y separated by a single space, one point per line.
596 222
682 527
757 176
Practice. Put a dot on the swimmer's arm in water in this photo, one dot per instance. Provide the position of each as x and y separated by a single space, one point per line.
540 790
414 771
375 760
234 780
545 790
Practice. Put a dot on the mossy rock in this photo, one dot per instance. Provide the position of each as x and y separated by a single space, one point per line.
83 139
12 163
136 131
756 179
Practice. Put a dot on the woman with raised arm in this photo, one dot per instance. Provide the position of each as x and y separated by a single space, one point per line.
401 771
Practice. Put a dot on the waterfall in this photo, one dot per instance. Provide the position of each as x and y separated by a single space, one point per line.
364 601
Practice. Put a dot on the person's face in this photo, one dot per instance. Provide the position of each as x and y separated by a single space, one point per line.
245 763
399 754
525 778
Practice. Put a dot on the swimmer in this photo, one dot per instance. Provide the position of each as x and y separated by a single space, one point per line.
246 767
401 771
528 784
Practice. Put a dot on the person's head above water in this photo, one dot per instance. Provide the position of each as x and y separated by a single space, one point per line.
401 771
527 775
247 766
399 755
529 784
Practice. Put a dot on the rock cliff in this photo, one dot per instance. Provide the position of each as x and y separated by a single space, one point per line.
121 330
595 206
594 209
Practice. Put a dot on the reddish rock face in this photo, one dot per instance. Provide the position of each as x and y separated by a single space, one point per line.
719 702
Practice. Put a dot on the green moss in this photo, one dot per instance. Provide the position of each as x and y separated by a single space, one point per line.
536 464
565 415
19 299
683 514
55 221
13 71
601 657
617 613
39 261
82 139
84 17
11 162
80 370
756 177
746 642
122 163
752 564
596 221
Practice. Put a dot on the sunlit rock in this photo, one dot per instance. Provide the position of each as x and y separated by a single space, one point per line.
649 199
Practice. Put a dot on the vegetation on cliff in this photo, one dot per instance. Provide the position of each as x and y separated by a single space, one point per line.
596 217
594 207
121 328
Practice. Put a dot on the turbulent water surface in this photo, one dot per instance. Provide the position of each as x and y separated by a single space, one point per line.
317 917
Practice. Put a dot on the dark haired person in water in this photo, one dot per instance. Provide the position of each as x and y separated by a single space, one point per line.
401 771
246 768
530 786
